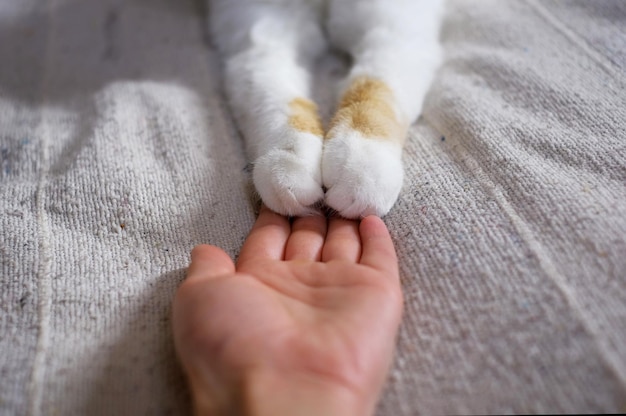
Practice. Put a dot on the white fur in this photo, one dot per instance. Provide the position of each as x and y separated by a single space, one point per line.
268 48
362 176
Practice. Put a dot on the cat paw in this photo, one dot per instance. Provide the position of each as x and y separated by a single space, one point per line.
289 181
363 176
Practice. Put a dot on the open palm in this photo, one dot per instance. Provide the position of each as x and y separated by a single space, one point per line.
314 302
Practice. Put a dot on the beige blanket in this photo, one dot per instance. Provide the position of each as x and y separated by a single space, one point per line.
118 155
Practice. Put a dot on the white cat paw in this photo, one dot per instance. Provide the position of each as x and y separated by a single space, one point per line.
362 176
289 180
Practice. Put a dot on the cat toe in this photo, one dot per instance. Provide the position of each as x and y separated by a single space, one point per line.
288 183
362 176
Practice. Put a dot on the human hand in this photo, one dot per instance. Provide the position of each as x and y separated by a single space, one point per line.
305 324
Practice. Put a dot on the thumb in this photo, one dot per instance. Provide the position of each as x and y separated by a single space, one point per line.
191 329
208 262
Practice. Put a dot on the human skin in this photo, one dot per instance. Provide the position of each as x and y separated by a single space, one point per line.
303 324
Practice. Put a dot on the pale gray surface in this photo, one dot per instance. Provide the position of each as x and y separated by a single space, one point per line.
117 155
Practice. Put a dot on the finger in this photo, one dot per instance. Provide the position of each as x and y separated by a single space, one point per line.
208 262
191 306
342 241
378 250
267 238
306 239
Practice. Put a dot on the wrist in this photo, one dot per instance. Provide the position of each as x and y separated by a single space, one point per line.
265 394
269 394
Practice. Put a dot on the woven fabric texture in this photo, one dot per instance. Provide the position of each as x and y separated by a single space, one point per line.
118 155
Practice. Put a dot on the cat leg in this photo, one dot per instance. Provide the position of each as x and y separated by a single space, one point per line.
268 49
395 53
